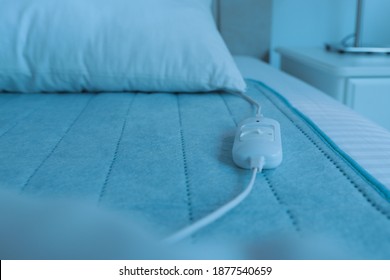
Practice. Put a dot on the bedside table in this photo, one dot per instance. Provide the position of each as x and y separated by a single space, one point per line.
361 82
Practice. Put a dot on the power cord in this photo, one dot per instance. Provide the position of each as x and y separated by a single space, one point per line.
253 102
256 164
212 217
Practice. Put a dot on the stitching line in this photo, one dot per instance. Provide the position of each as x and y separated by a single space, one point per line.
57 144
342 172
110 168
185 163
289 213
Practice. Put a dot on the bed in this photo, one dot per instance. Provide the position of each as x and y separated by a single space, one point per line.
108 174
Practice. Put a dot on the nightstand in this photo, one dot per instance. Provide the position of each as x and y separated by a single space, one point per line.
361 82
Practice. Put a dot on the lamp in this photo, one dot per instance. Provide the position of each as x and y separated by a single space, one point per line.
357 46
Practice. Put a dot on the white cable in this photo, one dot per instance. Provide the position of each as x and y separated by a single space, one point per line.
257 164
191 229
253 102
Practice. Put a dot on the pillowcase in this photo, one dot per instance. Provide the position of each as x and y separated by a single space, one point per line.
116 45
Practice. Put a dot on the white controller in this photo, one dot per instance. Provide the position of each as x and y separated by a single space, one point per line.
258 137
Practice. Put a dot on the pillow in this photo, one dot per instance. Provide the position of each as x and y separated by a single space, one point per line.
116 45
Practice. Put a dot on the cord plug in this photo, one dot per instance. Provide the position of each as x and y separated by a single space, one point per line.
257 162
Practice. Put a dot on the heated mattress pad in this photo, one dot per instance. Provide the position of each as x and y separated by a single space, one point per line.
165 159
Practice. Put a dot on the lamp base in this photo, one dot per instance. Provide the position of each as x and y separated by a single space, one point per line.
350 49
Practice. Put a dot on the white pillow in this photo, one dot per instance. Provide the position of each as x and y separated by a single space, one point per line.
116 45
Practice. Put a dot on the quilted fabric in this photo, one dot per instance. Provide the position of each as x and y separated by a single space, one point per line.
165 159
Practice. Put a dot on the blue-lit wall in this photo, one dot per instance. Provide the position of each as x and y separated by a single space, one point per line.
311 23
377 22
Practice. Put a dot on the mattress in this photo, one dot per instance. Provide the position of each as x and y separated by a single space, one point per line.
163 161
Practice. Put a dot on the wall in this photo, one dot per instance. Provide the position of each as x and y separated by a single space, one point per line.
311 23
376 29
238 15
